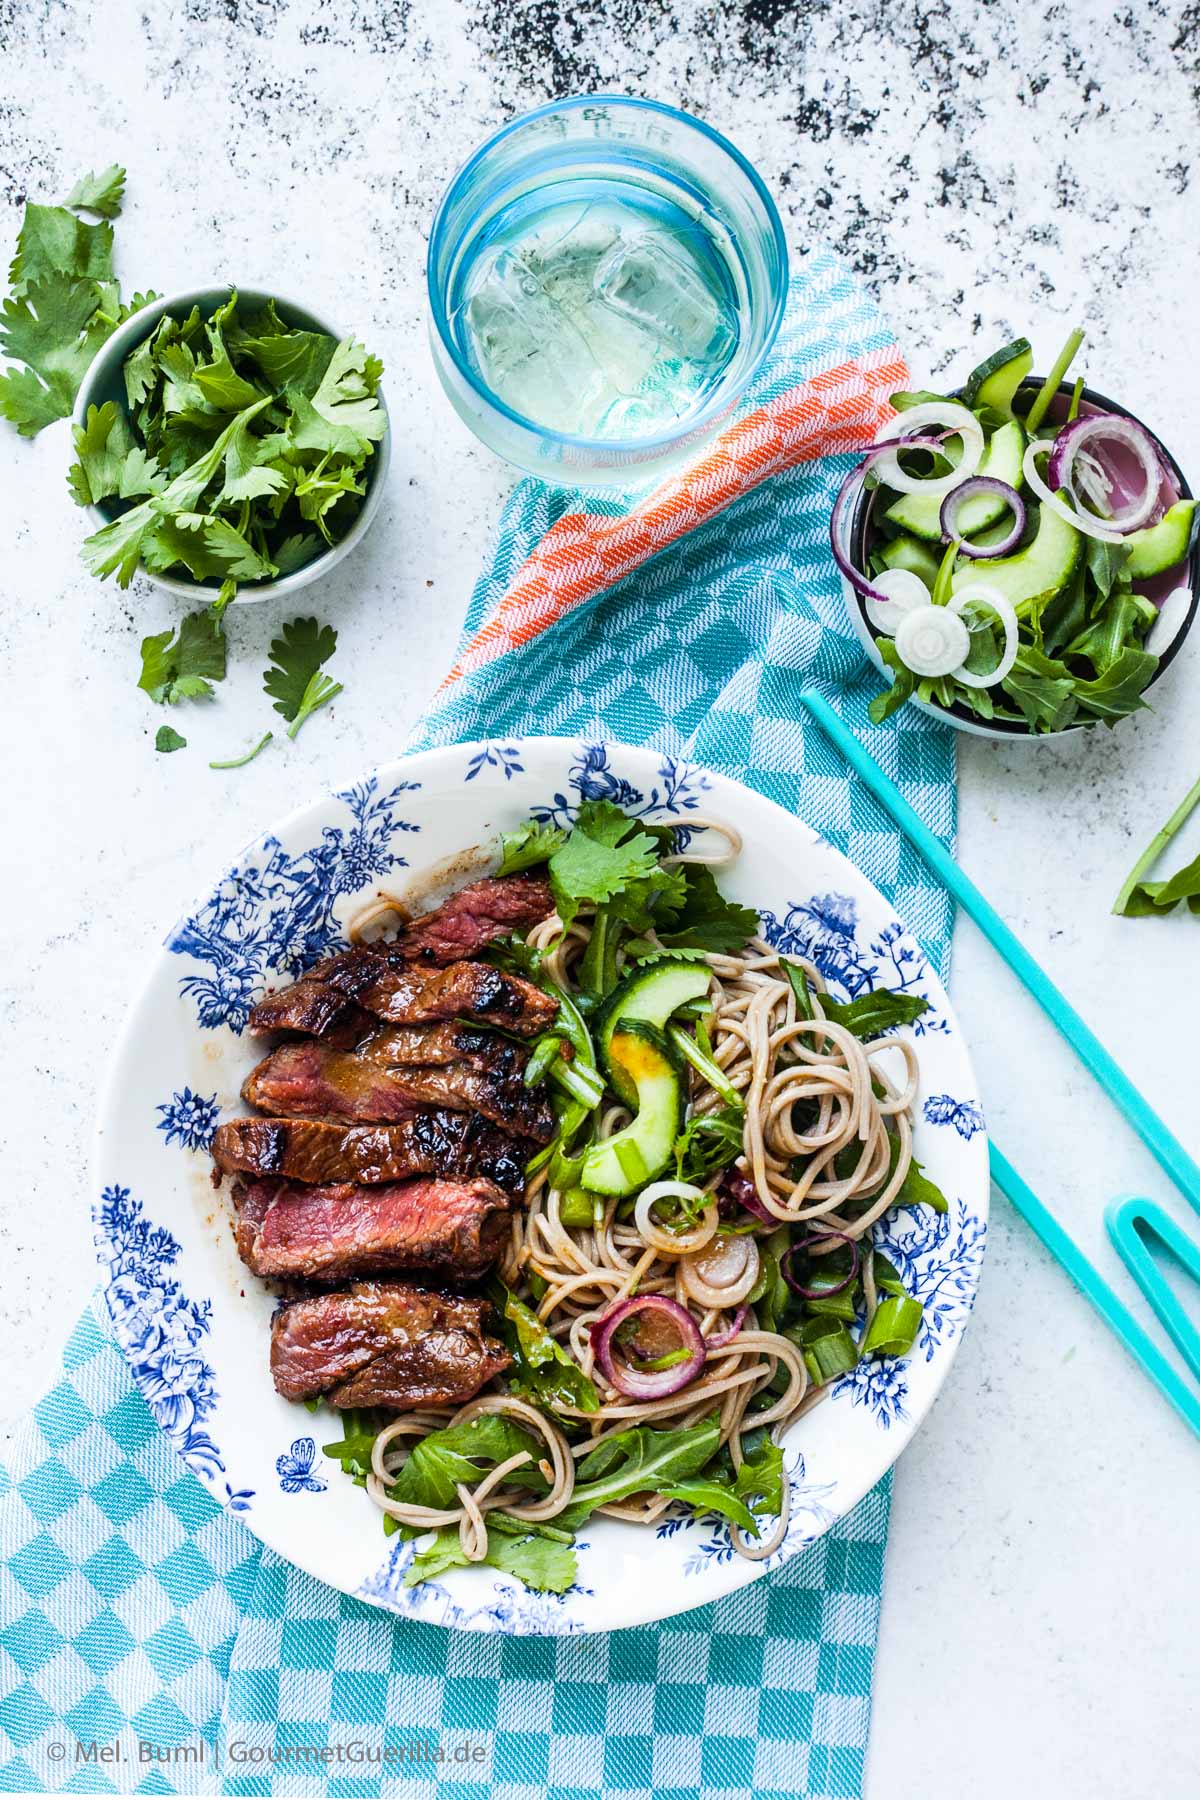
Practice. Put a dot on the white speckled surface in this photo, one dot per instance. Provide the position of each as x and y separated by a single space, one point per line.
990 170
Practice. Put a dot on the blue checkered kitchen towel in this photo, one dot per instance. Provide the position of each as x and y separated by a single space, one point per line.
136 1615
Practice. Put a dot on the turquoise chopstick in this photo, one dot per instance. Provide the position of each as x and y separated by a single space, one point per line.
1161 1143
1107 1302
1131 1225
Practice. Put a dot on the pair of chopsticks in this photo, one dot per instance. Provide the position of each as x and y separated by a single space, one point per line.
1133 1224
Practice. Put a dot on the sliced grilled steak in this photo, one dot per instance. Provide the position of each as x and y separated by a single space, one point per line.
442 1046
337 993
452 1228
464 990
384 1343
475 916
429 1143
306 1080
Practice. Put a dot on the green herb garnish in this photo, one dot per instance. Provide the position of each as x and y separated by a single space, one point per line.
295 681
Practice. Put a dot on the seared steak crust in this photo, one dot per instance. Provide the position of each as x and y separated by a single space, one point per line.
429 1143
448 1045
306 1080
331 1233
384 1343
369 979
475 916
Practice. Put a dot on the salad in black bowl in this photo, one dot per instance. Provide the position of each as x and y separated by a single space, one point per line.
1020 557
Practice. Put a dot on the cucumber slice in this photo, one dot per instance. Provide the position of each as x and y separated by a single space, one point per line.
649 996
922 514
1033 574
995 382
626 1161
1159 547
910 553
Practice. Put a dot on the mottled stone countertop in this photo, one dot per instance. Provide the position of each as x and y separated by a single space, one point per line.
989 169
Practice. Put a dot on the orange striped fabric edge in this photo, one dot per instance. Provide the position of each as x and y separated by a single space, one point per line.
583 553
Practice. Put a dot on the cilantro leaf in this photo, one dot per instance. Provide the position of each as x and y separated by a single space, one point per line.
54 243
183 665
604 854
101 193
167 738
528 845
295 683
706 920
52 328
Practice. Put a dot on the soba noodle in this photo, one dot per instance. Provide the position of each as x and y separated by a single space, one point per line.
787 1068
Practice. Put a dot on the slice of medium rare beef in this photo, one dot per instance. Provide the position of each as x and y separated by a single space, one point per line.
384 1343
453 1229
370 979
439 1046
306 1080
477 915
431 1142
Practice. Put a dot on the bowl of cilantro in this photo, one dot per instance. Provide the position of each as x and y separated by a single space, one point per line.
230 445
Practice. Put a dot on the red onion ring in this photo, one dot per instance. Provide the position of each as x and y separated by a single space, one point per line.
730 1332
742 1191
819 1237
871 452
648 1384
982 484
1117 429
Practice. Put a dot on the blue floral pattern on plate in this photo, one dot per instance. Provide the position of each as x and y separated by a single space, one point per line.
160 1330
189 1119
296 1468
274 914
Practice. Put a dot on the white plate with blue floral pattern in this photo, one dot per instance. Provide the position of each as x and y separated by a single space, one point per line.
194 1326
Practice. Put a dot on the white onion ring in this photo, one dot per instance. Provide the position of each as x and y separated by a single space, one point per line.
700 1275
962 423
980 593
675 1243
904 591
1081 521
932 641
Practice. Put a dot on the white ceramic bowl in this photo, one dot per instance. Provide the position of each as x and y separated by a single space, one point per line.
104 381
194 1326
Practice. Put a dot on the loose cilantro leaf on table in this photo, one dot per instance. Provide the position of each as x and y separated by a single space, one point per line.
295 682
239 762
183 665
64 303
167 739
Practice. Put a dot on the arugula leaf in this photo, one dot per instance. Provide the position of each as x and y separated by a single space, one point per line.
604 854
295 683
760 1477
183 665
167 738
1118 691
1115 628
101 193
543 1564
706 920
542 1371
916 1189
708 1142
705 1494
360 1427
1043 690
1139 898
528 845
870 1015
904 684
1106 564
640 1460
437 1463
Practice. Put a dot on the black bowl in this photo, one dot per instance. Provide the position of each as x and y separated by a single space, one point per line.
1097 402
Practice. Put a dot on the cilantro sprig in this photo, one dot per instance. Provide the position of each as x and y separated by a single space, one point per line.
294 681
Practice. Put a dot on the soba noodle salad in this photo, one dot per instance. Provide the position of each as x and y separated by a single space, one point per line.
692 1268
